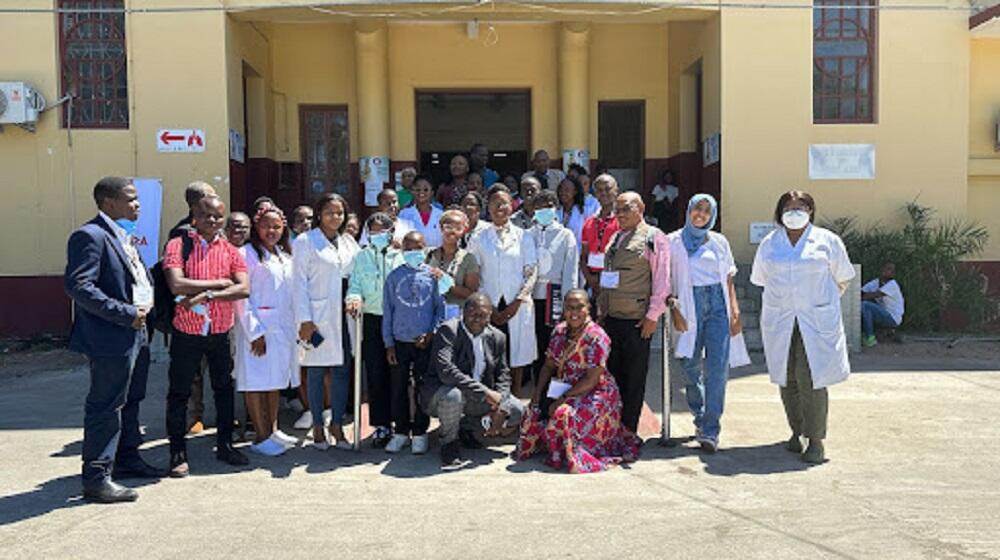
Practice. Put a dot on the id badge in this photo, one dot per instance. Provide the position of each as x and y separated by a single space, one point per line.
595 261
142 295
609 280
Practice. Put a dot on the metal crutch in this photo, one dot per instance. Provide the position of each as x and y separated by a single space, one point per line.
667 395
358 334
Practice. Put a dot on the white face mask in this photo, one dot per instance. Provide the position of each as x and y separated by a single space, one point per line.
795 219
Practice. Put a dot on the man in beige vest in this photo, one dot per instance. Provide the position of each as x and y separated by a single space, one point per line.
634 288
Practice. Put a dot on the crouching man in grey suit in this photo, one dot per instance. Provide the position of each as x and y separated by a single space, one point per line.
469 381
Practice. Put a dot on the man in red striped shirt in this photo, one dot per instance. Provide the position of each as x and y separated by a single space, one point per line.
208 283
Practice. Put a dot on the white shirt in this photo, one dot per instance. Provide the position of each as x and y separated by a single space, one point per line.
574 223
703 266
893 299
431 231
553 178
558 259
142 291
668 192
477 350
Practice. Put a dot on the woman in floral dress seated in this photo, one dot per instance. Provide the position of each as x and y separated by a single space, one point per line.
582 427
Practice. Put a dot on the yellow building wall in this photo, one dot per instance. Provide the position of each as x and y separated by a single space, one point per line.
313 64
921 136
984 157
692 42
616 73
172 83
248 51
442 56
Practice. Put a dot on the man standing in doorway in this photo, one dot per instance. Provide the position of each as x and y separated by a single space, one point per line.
634 287
479 159
112 293
549 178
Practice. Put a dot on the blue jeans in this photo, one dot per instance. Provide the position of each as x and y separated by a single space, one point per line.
874 315
338 392
706 391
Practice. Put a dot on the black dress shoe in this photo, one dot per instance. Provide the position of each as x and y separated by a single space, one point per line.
137 468
231 455
468 440
451 456
179 465
110 493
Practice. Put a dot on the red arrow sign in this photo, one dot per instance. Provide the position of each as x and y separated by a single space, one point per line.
166 138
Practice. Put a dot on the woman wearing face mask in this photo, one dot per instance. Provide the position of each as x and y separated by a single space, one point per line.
508 261
364 295
558 270
456 269
706 315
322 258
803 269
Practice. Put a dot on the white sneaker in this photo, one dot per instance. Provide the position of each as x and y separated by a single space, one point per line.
344 445
284 439
420 444
327 417
304 422
397 443
268 448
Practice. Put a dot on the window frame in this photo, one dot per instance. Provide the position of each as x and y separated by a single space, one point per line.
872 58
66 85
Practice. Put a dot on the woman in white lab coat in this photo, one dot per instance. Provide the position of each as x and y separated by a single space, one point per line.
323 258
423 215
508 268
264 337
705 314
803 269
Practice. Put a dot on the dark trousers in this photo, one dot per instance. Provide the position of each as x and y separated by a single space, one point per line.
377 368
629 364
186 353
543 334
806 408
111 412
413 363
196 404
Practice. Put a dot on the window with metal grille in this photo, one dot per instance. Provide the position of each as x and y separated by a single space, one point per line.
92 58
844 44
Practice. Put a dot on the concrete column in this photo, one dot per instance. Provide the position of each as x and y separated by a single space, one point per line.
371 48
574 86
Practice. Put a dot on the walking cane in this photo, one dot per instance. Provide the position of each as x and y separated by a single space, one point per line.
357 380
665 368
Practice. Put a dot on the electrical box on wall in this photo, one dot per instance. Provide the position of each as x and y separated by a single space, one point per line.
20 104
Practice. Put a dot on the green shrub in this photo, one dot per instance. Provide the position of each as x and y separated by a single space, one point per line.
928 255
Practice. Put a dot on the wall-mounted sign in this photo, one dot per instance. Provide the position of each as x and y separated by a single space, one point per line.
184 140
580 157
841 161
374 175
711 150
237 146
759 230
146 236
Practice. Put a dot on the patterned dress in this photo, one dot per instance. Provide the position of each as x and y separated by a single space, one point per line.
585 433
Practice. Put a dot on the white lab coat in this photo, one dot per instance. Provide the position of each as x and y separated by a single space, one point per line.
804 283
318 271
268 313
558 258
501 270
680 282
432 231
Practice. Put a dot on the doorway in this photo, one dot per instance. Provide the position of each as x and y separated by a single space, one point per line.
449 122
621 137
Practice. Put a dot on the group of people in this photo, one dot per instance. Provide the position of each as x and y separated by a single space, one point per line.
492 311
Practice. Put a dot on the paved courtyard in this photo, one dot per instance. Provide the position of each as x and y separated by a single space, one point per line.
914 472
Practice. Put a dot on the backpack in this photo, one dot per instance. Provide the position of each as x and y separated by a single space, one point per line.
162 316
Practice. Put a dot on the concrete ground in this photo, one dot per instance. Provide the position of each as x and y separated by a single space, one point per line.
914 472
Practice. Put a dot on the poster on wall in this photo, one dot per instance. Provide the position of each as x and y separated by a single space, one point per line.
237 146
711 149
579 157
146 237
759 230
374 175
841 161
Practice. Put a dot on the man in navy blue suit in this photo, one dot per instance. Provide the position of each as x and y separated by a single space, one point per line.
112 293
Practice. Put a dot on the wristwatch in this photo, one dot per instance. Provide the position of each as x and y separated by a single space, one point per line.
672 302
209 295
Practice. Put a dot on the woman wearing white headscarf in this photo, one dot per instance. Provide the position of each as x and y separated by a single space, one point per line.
705 315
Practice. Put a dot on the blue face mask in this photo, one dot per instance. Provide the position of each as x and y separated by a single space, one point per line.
545 216
128 225
413 258
445 283
379 240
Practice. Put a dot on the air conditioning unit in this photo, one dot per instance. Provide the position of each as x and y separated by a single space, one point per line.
20 104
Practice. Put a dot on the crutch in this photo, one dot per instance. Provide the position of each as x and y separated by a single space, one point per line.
667 395
358 334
